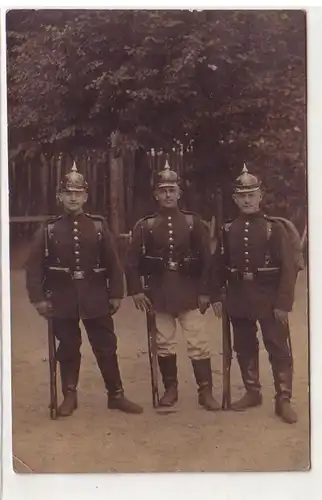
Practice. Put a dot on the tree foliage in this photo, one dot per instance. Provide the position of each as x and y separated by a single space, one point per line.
232 83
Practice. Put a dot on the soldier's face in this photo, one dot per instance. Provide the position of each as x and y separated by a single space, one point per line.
168 197
248 203
73 201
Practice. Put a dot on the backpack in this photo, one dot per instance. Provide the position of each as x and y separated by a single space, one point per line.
294 238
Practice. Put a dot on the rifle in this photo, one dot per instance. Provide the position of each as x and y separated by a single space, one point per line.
225 321
52 358
152 347
151 335
52 370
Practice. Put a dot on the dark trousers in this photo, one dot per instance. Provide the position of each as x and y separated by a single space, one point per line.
275 338
100 332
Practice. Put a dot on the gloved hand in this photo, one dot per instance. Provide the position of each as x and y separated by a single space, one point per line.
114 305
281 316
203 303
142 302
217 308
44 308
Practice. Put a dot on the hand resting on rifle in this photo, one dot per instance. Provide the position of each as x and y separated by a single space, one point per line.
217 308
44 308
203 303
281 316
114 305
142 302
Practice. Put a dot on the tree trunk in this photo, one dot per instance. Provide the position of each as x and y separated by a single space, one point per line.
117 198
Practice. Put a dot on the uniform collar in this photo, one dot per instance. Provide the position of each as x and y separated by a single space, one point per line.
169 212
72 217
251 217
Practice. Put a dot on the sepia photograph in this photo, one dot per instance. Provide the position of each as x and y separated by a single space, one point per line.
158 208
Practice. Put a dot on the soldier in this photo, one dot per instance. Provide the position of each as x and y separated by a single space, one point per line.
73 255
172 249
257 266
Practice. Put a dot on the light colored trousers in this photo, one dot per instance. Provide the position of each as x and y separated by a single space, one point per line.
193 327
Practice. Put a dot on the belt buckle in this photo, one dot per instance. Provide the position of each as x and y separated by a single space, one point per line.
172 266
248 276
78 275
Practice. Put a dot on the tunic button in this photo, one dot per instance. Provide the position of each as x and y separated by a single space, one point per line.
171 246
169 217
76 238
75 223
75 230
77 260
246 253
247 223
170 231
76 252
246 230
169 224
170 239
247 261
77 268
246 239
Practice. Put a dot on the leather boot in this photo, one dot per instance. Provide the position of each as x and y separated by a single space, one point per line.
109 368
203 376
249 368
283 379
169 373
69 379
118 401
284 410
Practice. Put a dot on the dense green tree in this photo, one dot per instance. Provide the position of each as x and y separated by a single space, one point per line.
232 83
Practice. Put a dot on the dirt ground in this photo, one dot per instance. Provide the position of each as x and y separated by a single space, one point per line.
96 440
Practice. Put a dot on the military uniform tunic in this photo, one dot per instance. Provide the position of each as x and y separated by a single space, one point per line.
247 245
75 244
170 237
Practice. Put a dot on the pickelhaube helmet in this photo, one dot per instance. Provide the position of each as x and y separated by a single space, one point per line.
246 182
73 181
166 177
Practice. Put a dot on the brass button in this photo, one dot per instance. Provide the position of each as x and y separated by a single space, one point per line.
245 239
170 239
170 232
169 217
76 238
247 223
169 224
75 223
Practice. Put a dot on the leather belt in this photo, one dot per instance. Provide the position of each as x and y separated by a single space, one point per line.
76 275
251 276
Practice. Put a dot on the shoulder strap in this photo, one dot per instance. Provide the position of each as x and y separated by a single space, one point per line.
227 226
189 220
98 223
50 224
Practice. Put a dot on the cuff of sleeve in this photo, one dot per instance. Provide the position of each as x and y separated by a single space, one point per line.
284 305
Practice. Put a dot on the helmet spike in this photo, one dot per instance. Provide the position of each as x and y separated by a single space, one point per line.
245 169
74 168
167 165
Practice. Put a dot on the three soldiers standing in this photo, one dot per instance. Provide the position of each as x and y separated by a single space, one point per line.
76 255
